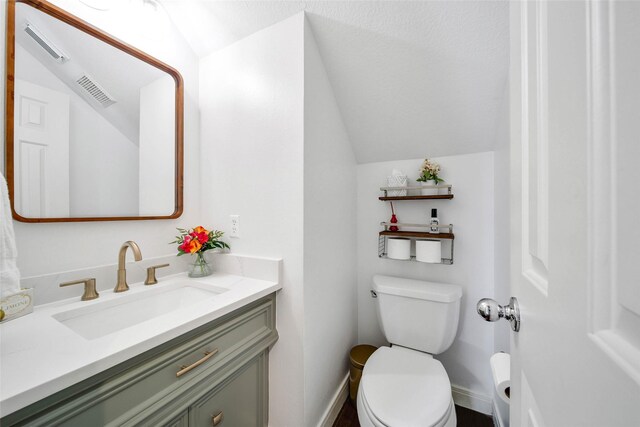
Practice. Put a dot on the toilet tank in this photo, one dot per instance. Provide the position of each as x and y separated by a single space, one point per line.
417 314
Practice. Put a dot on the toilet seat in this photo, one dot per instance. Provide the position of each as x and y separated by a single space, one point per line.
368 419
403 387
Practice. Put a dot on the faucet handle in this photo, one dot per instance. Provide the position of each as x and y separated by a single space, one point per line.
90 291
151 274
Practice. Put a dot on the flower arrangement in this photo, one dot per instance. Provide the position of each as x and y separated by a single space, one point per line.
196 241
429 172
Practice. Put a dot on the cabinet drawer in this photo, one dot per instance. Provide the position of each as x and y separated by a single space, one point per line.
239 401
153 375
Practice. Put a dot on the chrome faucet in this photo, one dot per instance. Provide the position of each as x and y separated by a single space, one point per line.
121 285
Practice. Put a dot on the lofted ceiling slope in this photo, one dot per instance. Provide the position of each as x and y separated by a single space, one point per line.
412 79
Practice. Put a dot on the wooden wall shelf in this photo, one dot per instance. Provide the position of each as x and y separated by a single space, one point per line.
390 193
434 197
418 235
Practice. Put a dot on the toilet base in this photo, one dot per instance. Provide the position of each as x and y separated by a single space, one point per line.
367 419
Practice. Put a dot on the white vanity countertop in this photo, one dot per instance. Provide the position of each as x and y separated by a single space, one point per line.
39 355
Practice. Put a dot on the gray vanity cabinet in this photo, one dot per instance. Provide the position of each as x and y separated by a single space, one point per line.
227 384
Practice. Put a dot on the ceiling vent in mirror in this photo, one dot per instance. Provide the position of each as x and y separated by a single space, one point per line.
52 50
95 91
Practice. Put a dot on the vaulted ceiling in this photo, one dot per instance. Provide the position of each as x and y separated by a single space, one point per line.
412 79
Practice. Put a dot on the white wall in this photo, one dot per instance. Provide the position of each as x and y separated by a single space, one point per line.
251 104
276 153
157 155
108 187
329 239
55 247
471 213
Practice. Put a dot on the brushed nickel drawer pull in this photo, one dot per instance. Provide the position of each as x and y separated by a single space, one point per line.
218 418
207 355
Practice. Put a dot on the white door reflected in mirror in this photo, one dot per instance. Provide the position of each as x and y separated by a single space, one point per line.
41 151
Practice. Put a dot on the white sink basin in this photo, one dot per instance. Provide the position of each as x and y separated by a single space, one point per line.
132 308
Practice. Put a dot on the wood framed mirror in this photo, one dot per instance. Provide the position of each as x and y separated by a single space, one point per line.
94 127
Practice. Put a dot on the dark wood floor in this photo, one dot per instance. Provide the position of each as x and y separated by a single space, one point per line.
348 417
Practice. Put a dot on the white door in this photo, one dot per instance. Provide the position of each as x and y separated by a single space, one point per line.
41 151
575 114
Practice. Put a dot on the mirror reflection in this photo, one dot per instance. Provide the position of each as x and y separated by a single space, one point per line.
94 127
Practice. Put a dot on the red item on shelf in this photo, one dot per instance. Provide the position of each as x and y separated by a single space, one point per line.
394 220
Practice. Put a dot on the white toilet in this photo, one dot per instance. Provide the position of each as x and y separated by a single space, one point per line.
403 385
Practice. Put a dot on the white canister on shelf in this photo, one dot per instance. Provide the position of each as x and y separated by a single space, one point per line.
398 248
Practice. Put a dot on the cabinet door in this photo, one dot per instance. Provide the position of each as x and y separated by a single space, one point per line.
238 401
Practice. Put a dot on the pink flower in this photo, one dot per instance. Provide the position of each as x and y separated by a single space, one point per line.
202 237
184 247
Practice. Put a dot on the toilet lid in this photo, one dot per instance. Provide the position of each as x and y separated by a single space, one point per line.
405 387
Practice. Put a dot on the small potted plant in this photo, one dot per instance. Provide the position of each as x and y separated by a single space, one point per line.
196 241
429 171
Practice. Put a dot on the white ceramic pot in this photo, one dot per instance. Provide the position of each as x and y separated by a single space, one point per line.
429 191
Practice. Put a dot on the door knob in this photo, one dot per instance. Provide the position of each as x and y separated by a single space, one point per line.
491 311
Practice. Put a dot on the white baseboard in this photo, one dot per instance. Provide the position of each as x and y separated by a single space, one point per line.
340 396
472 400
497 419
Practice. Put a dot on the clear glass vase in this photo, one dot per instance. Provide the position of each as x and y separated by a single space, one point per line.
200 267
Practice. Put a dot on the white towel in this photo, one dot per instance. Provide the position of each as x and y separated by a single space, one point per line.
9 273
